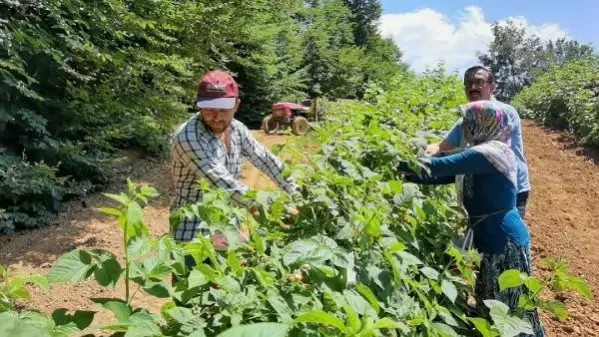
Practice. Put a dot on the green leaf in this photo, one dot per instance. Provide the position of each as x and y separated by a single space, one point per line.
134 214
409 259
581 287
483 326
82 319
443 330
228 283
358 303
369 295
353 318
388 323
111 211
397 247
510 279
430 273
278 303
11 325
449 290
20 293
181 314
143 329
557 308
196 279
73 267
108 273
234 263
149 191
321 317
506 324
118 307
534 284
37 280
138 247
157 289
120 198
299 251
265 278
257 330
65 330
448 318
525 303
395 186
198 333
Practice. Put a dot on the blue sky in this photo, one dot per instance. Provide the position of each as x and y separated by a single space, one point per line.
452 30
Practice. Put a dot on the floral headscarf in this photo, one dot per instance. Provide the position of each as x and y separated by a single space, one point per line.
491 129
487 121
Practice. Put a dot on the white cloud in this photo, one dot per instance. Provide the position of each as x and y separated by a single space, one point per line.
427 36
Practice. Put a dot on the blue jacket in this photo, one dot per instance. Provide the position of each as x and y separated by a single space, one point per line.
491 193
455 138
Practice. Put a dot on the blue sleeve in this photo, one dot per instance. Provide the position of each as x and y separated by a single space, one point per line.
454 136
428 180
465 162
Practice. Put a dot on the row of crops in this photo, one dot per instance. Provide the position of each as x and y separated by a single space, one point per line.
368 255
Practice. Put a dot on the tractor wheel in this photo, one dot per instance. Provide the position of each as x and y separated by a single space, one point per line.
270 126
300 126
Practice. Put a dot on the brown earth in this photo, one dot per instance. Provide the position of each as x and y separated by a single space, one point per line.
563 215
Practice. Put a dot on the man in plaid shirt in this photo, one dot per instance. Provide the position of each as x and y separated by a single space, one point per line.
210 146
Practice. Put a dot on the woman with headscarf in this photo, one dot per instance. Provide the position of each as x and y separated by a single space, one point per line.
489 197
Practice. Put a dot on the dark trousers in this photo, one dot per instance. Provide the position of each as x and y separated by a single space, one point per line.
521 200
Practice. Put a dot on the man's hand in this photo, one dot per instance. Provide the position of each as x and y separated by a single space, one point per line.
433 149
254 210
292 211
219 241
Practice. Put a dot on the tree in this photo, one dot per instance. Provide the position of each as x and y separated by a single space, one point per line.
331 59
510 58
560 52
366 16
517 57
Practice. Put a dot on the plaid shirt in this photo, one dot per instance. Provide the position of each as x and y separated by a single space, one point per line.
197 153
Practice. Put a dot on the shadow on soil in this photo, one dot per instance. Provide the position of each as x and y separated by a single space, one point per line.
567 142
79 224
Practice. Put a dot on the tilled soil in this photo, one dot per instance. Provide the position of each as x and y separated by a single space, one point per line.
563 214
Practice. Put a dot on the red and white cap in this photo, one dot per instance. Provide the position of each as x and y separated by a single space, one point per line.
217 90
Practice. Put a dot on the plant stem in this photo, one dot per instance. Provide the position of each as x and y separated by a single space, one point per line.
126 262
135 292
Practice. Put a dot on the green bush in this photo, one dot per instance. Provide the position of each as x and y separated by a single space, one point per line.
566 98
80 80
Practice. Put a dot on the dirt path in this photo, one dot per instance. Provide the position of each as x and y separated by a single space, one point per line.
563 215
81 227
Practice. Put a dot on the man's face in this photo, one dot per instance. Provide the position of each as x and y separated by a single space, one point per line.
478 87
218 120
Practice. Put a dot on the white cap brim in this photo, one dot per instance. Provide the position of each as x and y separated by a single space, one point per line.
216 103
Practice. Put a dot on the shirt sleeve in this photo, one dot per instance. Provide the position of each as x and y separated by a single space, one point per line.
454 136
265 160
195 158
465 162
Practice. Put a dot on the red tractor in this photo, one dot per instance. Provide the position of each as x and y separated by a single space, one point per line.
285 114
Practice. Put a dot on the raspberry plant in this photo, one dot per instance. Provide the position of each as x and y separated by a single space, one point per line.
368 254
